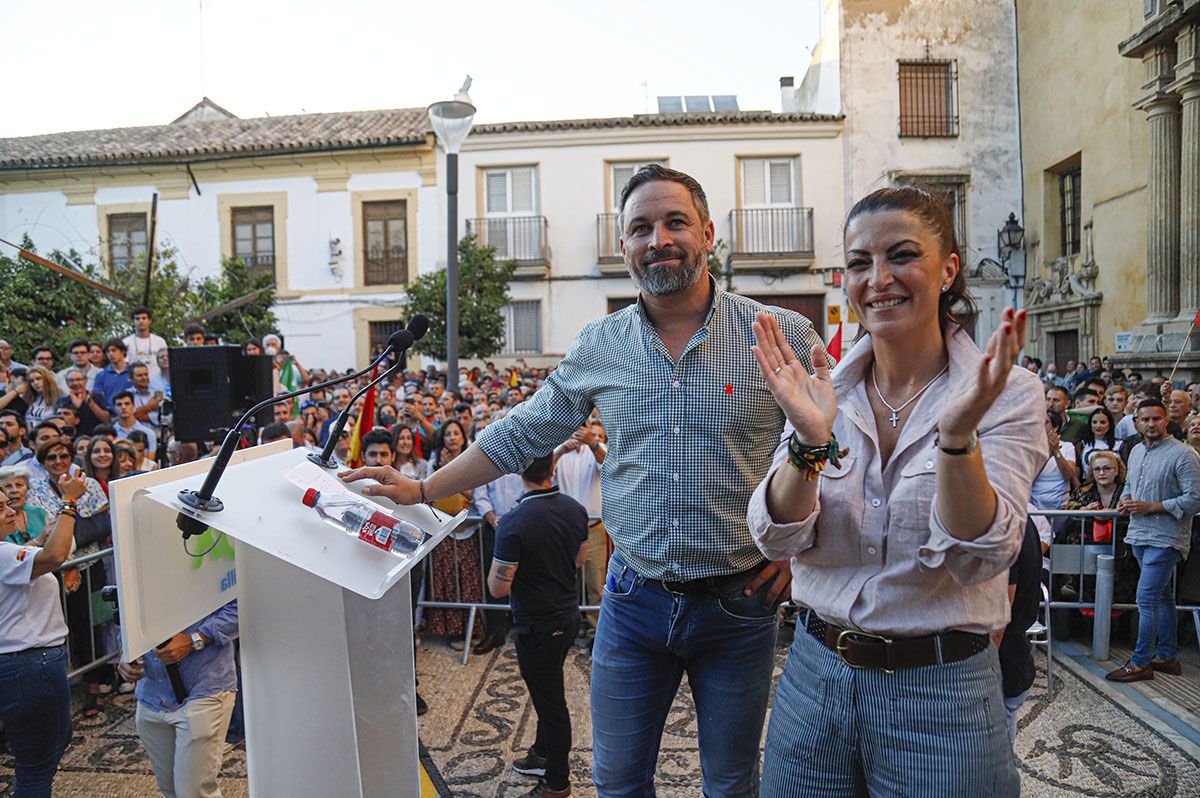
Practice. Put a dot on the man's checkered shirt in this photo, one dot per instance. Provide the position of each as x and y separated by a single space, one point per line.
688 441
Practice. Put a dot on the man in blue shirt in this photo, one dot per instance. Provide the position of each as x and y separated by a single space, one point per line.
185 740
114 377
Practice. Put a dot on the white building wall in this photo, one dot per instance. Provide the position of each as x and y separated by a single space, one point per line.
980 36
571 178
318 325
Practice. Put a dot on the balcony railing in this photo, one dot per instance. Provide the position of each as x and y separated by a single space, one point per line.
608 239
519 238
771 233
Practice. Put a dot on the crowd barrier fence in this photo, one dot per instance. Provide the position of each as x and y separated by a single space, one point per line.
1082 561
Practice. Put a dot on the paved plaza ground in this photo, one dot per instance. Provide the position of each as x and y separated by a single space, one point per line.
1089 737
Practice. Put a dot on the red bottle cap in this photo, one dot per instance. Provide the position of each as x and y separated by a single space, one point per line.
310 497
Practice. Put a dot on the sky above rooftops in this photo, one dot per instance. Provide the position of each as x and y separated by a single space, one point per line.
75 65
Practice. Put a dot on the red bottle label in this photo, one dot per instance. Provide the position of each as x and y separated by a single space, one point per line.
377 530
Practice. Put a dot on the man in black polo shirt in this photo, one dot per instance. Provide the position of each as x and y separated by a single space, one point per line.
540 544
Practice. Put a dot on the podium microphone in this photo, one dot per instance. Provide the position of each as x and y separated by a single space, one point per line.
204 500
417 327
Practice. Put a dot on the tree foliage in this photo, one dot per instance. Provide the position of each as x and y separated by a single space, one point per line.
45 308
483 293
253 319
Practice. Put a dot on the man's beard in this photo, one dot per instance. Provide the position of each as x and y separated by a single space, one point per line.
658 280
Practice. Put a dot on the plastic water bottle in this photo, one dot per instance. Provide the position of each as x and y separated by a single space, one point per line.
365 521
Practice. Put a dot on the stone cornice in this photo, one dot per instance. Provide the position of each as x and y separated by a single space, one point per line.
1161 29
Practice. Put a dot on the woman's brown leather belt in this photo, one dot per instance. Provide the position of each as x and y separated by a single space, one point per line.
860 649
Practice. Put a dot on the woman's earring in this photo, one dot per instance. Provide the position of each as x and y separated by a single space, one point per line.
945 288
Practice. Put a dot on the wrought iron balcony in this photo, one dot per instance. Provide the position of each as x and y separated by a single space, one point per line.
519 238
781 234
608 244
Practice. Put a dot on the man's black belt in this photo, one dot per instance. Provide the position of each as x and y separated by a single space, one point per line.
711 586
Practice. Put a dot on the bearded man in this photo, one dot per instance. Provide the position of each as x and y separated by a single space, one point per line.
692 429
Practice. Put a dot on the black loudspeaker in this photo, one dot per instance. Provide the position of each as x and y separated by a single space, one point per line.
212 386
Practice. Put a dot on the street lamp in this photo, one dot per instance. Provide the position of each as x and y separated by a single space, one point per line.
451 121
1008 240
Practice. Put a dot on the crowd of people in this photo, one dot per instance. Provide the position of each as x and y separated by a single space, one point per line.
888 498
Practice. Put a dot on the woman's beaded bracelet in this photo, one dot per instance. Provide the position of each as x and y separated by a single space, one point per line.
812 460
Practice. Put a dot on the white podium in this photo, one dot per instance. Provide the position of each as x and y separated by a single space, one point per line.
325 620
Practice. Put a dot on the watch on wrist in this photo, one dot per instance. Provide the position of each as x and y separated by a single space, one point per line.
197 642
972 443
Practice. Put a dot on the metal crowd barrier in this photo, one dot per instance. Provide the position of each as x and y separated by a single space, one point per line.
1081 560
78 638
1096 560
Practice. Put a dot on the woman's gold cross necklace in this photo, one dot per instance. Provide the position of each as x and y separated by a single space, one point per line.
895 416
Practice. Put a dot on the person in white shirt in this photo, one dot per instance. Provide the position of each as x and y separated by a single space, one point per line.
124 422
1059 474
577 471
143 345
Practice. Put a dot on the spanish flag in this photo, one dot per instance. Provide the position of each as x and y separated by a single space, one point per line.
366 420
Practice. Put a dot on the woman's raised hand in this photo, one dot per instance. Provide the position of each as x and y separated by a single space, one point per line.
975 396
808 400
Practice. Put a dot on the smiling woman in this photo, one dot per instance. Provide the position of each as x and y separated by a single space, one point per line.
925 449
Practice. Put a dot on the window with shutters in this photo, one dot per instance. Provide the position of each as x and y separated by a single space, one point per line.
254 238
511 222
620 173
380 332
522 327
126 238
769 182
1069 209
928 98
385 242
953 189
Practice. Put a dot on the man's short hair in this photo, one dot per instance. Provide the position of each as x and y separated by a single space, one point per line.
376 437
652 173
104 429
138 365
1085 391
1153 401
137 436
1055 418
45 425
20 417
122 395
274 432
1033 361
539 470
37 349
1116 388
117 342
192 329
78 342
140 310
1059 388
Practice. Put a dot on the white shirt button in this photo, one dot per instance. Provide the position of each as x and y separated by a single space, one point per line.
675 522
675 384
875 502
677 430
929 464
675 476
871 550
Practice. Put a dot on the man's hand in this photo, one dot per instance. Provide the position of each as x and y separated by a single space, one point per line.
781 572
1055 441
585 436
175 649
392 484
131 671
1128 506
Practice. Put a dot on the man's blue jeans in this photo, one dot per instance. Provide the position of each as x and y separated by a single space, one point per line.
35 706
1156 604
647 638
